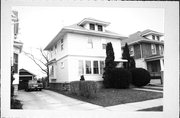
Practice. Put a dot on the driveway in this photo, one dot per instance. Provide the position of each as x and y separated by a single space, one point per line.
49 100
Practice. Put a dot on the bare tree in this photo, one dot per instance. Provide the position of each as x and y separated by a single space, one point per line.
42 62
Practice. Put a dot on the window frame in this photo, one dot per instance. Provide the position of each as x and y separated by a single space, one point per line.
100 28
101 66
90 42
91 26
97 68
153 50
90 68
131 50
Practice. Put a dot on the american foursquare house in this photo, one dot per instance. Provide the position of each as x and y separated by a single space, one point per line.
80 49
147 48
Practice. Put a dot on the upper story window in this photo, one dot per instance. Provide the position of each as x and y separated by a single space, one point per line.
52 71
161 49
153 37
158 38
92 26
62 44
100 28
90 42
153 48
131 51
103 41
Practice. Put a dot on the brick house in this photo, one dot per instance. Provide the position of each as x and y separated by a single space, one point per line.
147 49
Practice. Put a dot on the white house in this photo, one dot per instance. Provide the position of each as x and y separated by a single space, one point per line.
80 49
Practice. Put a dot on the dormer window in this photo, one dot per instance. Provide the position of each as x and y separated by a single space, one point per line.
92 26
100 28
153 37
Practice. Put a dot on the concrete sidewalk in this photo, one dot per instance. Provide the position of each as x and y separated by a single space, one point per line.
136 105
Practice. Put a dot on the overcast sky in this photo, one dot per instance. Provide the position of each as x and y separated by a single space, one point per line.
39 25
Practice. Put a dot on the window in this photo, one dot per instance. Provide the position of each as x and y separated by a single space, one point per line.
15 63
103 46
88 67
158 38
92 26
131 51
62 64
55 48
100 28
153 48
153 37
52 71
102 67
81 67
90 43
161 49
95 67
62 44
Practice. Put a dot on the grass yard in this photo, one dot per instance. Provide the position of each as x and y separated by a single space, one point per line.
159 108
110 97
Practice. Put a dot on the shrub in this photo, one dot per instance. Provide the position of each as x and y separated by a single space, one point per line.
15 104
121 78
88 89
140 77
74 87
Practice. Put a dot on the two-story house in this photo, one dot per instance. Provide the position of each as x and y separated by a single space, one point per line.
80 49
147 48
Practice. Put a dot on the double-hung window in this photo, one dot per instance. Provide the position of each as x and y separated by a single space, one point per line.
52 71
88 67
81 67
102 65
92 26
100 28
90 42
153 48
161 49
95 67
131 51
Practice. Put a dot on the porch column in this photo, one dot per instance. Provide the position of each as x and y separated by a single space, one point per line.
162 70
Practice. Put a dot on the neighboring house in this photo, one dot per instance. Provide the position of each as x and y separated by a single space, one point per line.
147 48
16 50
24 77
80 49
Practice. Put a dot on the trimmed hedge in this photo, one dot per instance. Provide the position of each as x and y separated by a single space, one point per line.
121 78
140 77
74 87
86 89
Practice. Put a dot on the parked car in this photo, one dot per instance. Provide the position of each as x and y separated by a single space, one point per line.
34 85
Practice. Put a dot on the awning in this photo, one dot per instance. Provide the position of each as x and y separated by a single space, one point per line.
154 58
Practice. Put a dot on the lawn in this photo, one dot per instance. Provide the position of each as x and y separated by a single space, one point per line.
159 108
110 97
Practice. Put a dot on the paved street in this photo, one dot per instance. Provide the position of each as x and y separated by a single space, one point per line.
50 100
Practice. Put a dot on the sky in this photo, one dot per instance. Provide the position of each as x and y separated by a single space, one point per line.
39 25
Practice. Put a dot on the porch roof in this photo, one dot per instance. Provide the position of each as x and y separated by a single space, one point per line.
154 58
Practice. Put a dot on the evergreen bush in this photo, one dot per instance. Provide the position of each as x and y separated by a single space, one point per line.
109 66
140 77
121 78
